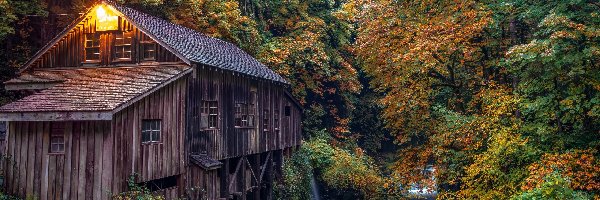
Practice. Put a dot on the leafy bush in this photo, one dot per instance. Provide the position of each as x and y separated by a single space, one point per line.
554 187
340 169
137 192
297 172
8 197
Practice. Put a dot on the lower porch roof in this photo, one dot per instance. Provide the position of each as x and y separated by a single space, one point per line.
86 93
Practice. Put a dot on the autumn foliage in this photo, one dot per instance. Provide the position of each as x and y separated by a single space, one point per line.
502 98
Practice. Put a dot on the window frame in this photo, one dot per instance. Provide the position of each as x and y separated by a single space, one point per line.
145 42
126 36
210 108
144 46
88 48
266 120
287 111
151 129
57 130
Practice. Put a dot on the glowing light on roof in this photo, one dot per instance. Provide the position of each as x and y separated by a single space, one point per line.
106 19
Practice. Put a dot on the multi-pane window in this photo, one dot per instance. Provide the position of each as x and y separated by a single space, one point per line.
252 107
244 117
57 138
151 130
92 47
266 116
245 112
239 114
210 109
123 42
148 48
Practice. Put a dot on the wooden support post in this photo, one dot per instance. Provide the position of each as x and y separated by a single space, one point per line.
242 177
225 179
257 179
269 176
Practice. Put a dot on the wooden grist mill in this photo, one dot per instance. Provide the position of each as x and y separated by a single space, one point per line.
120 93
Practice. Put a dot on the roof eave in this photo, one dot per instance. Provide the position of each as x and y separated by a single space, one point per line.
56 116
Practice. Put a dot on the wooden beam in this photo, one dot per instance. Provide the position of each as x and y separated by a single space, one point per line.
264 166
232 177
29 86
56 116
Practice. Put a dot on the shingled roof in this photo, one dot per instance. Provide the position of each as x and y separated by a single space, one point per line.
91 89
197 47
188 44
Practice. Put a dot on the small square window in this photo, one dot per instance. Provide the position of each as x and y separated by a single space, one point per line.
57 138
151 130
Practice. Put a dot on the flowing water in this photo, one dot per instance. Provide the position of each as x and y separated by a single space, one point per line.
314 189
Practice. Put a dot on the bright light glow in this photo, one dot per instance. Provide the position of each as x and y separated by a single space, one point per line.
106 20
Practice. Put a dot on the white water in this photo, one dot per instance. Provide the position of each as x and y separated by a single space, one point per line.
314 189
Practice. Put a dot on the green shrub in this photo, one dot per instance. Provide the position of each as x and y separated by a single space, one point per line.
554 187
137 192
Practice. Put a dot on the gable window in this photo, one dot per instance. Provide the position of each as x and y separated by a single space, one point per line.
151 129
123 42
57 138
149 49
210 114
92 47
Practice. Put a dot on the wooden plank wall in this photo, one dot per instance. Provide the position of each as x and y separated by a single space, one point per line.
228 141
202 184
70 50
82 172
153 160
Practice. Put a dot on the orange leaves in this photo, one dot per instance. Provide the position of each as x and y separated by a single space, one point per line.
580 166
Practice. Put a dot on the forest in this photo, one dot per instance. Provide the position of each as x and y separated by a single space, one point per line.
460 99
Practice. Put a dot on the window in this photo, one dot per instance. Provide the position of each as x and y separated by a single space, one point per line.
276 120
57 138
148 48
2 130
245 111
239 114
288 111
92 47
161 183
252 107
151 131
123 42
244 117
210 111
266 116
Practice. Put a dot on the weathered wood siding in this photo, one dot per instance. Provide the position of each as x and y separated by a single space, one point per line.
153 160
70 50
202 184
83 171
228 141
